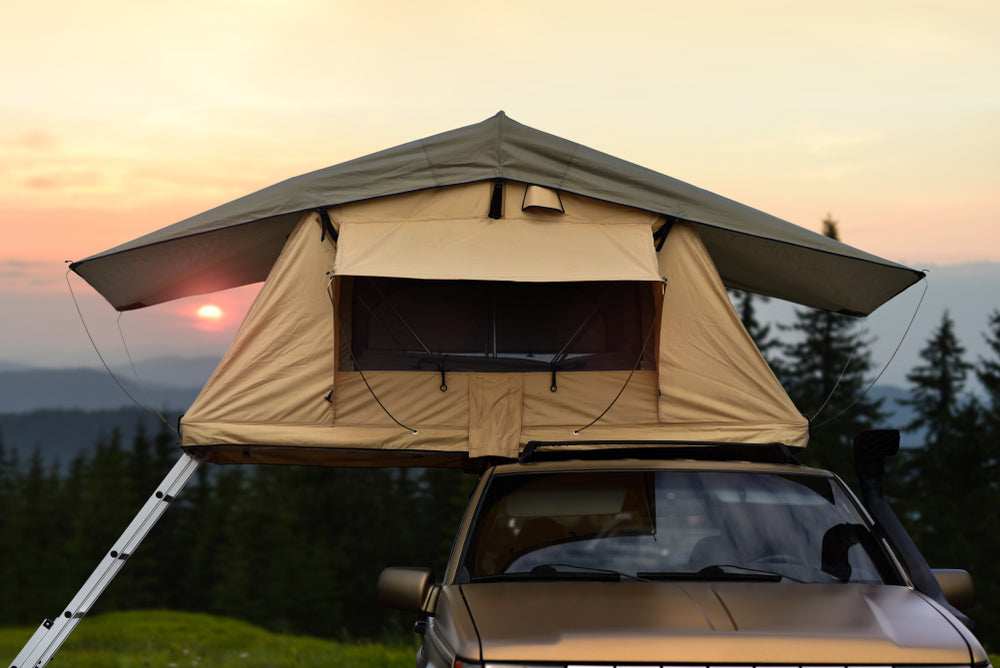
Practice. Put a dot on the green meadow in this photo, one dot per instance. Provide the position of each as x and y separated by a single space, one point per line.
177 639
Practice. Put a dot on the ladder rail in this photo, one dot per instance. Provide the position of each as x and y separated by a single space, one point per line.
52 633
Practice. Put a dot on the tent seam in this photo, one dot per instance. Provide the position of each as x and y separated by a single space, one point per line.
430 163
569 166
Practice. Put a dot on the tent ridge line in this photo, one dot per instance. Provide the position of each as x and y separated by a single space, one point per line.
499 157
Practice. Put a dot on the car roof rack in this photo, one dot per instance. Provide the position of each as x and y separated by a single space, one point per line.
770 453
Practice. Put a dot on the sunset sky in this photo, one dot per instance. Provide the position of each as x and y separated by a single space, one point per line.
118 118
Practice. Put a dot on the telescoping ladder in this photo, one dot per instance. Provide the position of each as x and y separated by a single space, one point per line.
50 636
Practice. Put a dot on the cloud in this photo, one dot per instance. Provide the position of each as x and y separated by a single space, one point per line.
28 276
64 178
18 268
34 140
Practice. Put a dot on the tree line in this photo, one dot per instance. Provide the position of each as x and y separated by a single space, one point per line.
299 549
294 549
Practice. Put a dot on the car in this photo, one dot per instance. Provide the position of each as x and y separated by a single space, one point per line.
681 555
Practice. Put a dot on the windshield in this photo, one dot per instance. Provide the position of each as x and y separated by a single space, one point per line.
697 525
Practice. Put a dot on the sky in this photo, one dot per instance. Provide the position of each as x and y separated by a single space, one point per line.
118 118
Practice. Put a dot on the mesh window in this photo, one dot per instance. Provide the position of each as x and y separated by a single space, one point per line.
401 324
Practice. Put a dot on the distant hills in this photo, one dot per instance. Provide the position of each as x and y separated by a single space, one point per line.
83 389
12 366
61 412
165 382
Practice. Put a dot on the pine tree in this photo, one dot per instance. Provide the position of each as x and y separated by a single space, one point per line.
950 485
215 493
198 526
986 570
104 505
988 373
253 542
171 539
11 534
43 539
937 384
155 570
826 372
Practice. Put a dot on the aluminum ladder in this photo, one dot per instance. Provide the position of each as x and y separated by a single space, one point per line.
50 636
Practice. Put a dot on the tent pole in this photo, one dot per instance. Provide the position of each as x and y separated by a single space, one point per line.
50 636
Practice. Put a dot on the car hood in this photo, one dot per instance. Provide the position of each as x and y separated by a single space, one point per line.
709 623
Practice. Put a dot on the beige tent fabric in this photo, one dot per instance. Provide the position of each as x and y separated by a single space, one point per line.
445 233
280 364
414 398
494 414
712 377
479 415
270 400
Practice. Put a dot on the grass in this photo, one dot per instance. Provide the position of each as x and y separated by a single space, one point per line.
162 639
175 639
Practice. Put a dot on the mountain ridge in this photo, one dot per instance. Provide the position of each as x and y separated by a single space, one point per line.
84 389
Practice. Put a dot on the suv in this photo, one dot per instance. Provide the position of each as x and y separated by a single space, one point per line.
700 555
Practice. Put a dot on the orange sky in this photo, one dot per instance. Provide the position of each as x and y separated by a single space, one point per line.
121 117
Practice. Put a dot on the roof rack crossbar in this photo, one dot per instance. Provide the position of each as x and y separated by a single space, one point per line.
671 448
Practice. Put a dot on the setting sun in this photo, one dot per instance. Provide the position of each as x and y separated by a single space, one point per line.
210 312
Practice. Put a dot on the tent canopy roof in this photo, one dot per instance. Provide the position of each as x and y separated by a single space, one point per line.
238 242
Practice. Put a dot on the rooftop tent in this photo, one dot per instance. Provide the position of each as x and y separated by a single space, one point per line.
407 340
462 295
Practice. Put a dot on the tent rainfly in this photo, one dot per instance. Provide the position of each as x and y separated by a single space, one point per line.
462 295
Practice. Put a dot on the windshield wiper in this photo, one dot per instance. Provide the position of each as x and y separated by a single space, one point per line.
717 573
549 572
714 573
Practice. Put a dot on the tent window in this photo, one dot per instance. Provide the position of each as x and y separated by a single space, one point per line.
410 324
